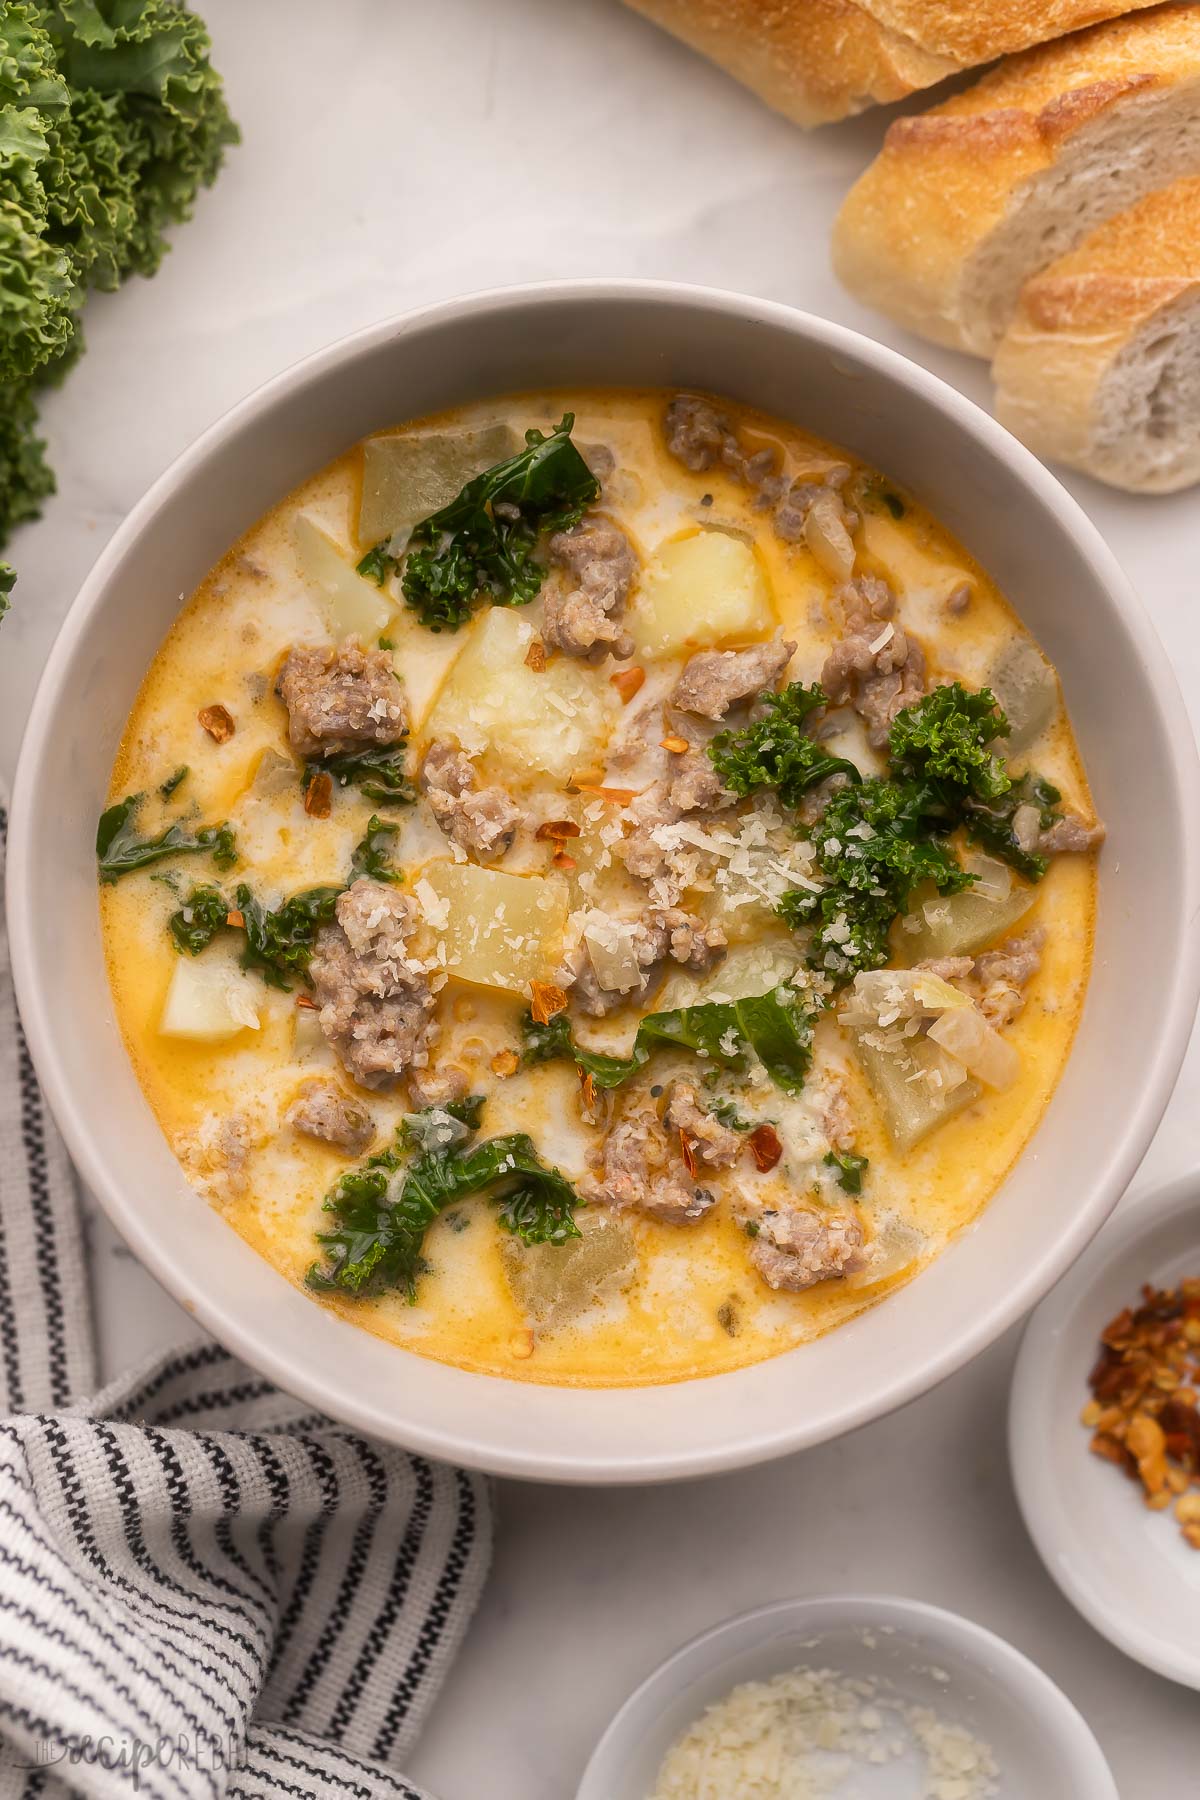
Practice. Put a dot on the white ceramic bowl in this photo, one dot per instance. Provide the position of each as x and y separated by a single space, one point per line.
1005 508
1040 1743
1127 1569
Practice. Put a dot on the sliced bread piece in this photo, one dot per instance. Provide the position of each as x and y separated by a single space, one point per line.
1100 367
817 60
965 202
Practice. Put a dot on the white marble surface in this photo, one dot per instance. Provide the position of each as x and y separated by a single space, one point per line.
396 153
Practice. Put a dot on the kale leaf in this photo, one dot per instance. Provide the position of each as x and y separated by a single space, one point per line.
372 855
278 942
442 1127
851 1169
111 119
196 923
378 773
119 849
168 787
943 740
727 1113
482 544
774 1025
776 750
992 825
874 843
880 838
385 1207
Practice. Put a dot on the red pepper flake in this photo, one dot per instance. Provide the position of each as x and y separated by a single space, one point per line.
556 828
304 1001
587 1091
688 1151
627 682
505 1062
562 861
676 745
218 722
235 920
765 1147
546 1001
535 656
614 795
318 796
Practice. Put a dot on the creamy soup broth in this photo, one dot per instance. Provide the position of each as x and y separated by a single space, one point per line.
661 1300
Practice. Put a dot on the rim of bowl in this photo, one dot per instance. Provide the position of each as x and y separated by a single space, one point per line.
1014 1671
1036 1489
242 1335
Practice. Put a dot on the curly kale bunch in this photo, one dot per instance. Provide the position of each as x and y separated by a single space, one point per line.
111 120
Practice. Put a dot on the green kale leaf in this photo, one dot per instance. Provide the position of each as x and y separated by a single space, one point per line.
278 941
992 825
119 849
944 740
482 545
385 1207
372 855
774 1025
197 922
851 1169
111 119
874 843
776 751
378 773
443 1127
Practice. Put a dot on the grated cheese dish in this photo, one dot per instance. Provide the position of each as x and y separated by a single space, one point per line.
602 906
813 1734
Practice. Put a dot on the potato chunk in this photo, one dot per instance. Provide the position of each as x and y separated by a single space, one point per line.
554 722
960 924
352 606
498 930
911 1108
409 475
554 1284
208 1002
700 590
1027 689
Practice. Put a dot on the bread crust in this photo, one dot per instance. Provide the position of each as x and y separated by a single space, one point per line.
1078 322
812 60
820 60
973 34
945 181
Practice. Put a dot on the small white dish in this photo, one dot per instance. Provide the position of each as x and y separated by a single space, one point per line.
1126 1569
1040 1743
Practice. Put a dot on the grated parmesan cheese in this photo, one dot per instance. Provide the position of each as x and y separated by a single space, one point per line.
805 1735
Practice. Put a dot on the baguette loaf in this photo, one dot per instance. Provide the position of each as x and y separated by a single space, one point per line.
965 202
1100 367
817 60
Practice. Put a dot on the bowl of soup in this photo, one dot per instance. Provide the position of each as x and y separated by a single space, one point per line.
600 881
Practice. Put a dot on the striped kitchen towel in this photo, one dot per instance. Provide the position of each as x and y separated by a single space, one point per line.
205 1587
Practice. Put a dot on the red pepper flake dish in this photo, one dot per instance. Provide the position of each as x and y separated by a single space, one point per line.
1143 1413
